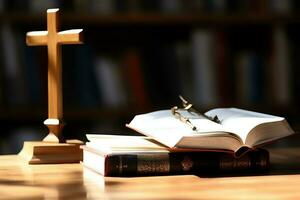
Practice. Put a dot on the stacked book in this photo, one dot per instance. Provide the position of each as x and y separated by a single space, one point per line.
178 141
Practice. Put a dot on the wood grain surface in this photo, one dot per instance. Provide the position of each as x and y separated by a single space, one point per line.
71 181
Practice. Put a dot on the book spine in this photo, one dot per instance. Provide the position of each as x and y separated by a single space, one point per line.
184 163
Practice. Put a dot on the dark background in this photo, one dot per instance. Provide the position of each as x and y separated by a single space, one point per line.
139 55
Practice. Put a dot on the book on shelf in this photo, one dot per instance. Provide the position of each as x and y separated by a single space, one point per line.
224 73
281 7
161 72
38 6
119 155
32 75
133 73
250 71
170 6
2 6
204 75
82 76
234 130
109 78
281 67
183 59
103 7
13 70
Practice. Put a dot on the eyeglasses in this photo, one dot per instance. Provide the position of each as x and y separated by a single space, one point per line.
178 115
191 109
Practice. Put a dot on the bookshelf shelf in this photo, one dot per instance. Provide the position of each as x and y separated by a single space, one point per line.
180 19
38 114
156 19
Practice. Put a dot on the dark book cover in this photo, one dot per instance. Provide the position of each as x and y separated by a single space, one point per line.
184 163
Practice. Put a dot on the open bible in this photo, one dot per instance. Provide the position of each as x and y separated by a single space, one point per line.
234 129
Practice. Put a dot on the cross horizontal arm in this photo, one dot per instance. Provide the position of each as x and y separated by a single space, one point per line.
36 38
73 36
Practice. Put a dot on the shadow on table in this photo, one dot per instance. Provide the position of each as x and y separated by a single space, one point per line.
285 155
284 159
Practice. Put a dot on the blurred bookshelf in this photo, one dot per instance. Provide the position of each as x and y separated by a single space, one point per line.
139 55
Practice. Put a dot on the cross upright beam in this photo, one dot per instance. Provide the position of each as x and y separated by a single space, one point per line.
53 40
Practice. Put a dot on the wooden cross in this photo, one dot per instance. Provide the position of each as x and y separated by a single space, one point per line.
54 39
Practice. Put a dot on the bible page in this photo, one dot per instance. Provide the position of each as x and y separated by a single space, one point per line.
241 122
167 129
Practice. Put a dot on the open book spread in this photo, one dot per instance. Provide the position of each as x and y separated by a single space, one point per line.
236 128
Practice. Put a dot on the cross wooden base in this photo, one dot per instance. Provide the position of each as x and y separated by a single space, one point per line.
51 153
50 150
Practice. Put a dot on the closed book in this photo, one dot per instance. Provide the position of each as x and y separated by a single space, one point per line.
173 163
119 155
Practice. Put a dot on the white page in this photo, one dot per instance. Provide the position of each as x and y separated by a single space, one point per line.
122 141
241 121
169 130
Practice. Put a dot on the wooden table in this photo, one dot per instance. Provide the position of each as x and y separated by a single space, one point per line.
71 181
